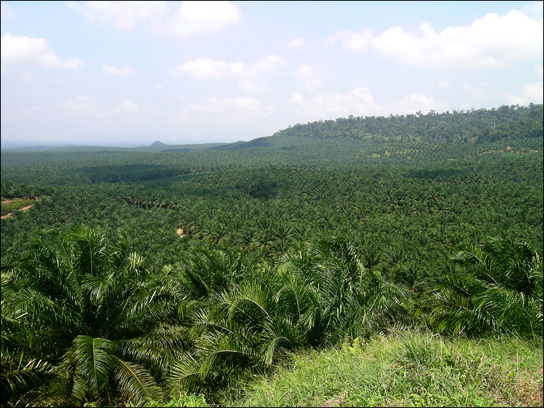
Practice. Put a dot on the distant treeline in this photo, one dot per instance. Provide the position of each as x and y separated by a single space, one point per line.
21 190
471 126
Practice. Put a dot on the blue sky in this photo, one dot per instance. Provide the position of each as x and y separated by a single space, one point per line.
131 73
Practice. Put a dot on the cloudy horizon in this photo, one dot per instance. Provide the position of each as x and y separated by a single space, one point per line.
132 73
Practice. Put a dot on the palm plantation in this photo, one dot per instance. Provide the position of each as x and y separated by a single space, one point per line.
330 237
94 313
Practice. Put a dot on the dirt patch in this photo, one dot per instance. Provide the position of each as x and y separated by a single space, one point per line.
20 209
179 231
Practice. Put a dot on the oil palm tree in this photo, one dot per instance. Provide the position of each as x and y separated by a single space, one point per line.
101 319
496 287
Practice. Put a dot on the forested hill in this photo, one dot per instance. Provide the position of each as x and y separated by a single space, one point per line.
181 273
471 126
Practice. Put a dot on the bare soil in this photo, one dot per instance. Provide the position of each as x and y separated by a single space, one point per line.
20 209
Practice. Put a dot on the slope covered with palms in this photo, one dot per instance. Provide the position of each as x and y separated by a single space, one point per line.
93 312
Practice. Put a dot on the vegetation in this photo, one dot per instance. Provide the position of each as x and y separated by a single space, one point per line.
407 370
179 277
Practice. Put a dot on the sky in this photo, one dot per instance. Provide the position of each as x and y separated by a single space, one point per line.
132 73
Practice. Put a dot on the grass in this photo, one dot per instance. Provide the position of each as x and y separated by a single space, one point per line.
408 369
15 205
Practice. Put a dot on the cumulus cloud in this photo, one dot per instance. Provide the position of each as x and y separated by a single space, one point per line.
30 50
534 10
350 40
361 102
204 16
415 102
533 92
82 104
238 109
27 76
19 114
478 93
488 42
357 102
129 111
85 107
207 68
191 17
266 64
297 43
126 107
111 70
308 76
7 11
122 15
530 93
444 84
254 87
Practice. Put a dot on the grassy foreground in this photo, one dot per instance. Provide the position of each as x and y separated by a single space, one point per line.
407 370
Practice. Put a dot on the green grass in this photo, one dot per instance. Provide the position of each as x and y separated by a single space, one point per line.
16 205
407 370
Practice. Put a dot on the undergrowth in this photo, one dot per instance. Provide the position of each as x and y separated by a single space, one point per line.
410 369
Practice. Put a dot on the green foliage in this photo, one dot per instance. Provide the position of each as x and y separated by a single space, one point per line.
85 303
499 290
410 369
232 258
476 126
183 400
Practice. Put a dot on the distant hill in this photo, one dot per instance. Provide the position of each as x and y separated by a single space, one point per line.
471 126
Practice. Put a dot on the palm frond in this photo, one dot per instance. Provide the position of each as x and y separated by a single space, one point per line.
92 357
135 382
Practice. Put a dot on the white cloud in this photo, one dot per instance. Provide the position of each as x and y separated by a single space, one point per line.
204 17
534 10
207 68
254 87
158 86
19 114
122 15
126 107
489 42
530 93
269 63
6 11
111 70
415 102
27 76
160 17
350 40
85 107
307 74
444 84
533 92
297 43
31 50
360 102
82 104
221 109
364 94
478 93
357 102
129 111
